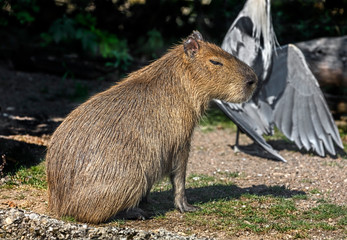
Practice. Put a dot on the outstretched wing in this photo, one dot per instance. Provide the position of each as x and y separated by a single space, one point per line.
246 124
299 107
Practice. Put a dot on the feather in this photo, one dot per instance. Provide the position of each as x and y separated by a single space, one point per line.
245 127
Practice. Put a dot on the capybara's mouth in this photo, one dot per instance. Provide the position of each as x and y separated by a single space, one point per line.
249 90
241 93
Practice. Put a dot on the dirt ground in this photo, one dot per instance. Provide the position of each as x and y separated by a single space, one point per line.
33 104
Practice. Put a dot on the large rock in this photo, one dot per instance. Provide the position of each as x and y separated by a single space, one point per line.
327 58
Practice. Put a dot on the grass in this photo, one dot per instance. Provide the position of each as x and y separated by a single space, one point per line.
314 191
34 176
68 219
300 197
216 119
227 208
343 130
326 211
333 164
277 135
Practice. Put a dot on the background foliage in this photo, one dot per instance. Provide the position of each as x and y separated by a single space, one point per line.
115 32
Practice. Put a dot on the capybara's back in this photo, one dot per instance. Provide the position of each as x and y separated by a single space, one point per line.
107 153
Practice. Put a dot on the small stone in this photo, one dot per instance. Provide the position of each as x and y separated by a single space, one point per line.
33 216
8 221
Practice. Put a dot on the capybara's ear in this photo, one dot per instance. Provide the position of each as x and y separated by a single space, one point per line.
191 45
197 35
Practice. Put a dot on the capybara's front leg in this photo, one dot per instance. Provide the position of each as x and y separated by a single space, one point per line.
178 179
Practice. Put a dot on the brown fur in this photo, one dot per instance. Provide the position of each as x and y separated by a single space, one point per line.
107 154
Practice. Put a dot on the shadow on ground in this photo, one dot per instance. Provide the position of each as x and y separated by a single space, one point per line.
162 202
16 154
279 145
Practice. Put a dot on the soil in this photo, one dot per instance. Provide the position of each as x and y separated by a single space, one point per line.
33 104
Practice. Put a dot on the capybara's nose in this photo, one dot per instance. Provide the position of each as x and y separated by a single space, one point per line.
250 81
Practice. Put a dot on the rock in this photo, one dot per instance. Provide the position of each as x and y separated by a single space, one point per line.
8 221
20 224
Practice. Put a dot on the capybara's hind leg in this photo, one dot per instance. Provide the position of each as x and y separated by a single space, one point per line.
147 200
178 179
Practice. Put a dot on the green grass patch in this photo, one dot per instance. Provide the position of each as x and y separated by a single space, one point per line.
277 135
196 180
314 191
68 219
326 211
34 176
300 197
230 174
216 119
282 208
343 221
333 164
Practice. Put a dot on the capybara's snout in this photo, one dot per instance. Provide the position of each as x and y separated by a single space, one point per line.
250 81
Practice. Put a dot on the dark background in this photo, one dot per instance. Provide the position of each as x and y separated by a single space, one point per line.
55 36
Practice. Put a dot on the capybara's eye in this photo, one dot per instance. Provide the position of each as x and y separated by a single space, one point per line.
216 63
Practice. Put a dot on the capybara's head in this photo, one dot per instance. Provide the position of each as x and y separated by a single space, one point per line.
225 77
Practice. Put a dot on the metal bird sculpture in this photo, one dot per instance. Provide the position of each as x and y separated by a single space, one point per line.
288 95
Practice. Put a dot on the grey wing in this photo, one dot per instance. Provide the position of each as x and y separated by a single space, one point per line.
249 124
299 107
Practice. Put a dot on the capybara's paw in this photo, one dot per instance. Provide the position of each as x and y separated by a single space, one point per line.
137 214
133 214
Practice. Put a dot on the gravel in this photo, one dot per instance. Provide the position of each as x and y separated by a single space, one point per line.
21 224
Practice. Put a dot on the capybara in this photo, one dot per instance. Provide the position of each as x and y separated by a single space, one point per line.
107 154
